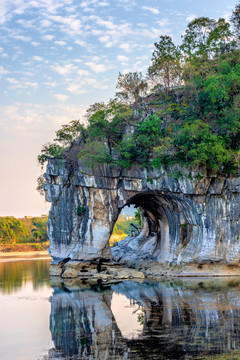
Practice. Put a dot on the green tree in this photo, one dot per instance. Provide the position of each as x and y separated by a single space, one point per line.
11 229
235 19
94 108
50 151
198 146
132 86
219 39
70 133
165 69
137 217
195 40
40 230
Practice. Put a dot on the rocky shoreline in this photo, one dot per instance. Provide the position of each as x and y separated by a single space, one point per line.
112 272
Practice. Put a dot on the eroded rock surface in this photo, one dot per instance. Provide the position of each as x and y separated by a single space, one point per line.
186 220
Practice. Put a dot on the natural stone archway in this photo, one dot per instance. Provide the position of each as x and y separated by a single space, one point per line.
191 220
168 223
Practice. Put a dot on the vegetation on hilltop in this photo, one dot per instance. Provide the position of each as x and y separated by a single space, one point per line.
185 111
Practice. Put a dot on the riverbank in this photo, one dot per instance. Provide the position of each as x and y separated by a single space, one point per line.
24 254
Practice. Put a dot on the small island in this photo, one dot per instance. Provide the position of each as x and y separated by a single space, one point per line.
167 144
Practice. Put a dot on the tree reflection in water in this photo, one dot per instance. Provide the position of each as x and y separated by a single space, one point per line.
179 320
15 274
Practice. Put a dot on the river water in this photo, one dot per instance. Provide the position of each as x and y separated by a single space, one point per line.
177 319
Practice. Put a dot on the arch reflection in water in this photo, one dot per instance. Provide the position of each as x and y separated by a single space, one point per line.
174 320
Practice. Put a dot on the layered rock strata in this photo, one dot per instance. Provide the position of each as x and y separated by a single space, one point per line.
185 220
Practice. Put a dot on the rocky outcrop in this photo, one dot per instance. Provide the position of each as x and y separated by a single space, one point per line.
186 219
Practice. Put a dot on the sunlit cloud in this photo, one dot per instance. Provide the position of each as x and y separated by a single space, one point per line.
37 58
122 58
151 9
48 37
64 69
60 42
61 97
191 17
97 68
85 85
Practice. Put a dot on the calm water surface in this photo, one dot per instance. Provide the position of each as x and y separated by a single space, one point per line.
183 319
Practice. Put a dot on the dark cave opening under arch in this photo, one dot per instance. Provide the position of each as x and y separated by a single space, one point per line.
168 221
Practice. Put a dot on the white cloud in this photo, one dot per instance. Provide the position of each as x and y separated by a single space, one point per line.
77 89
191 17
105 23
31 84
23 84
122 58
83 72
81 43
104 38
125 46
51 83
85 85
98 68
103 3
20 37
38 58
61 97
3 71
163 22
48 37
35 43
13 81
28 24
60 42
45 23
70 24
153 10
128 5
64 70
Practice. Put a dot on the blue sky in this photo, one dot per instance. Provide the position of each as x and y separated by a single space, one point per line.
59 56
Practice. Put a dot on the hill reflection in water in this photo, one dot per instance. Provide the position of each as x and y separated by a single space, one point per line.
180 319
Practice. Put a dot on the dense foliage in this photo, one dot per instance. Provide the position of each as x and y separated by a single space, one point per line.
191 116
27 230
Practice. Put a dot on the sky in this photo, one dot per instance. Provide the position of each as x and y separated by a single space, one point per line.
59 56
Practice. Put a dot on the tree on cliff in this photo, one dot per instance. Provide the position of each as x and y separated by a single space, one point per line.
235 19
64 138
194 125
132 86
165 69
195 40
220 38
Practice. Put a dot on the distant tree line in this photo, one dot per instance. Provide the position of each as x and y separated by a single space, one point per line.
31 230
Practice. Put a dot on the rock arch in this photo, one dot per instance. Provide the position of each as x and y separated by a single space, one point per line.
193 220
168 223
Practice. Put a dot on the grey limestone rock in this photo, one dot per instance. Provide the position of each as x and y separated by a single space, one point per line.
185 220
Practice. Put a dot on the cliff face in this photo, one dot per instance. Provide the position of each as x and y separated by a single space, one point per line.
184 220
